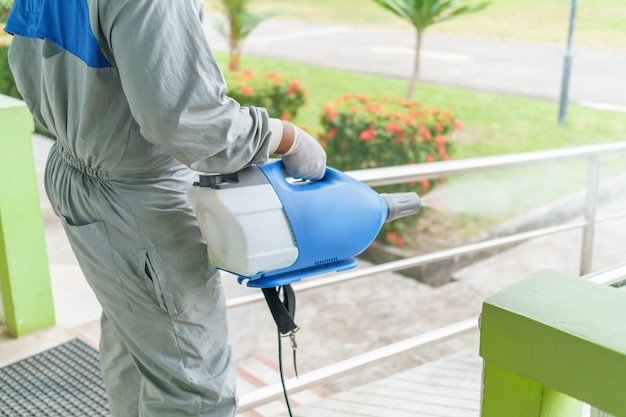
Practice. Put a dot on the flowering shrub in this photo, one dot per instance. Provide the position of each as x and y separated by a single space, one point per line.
282 97
363 132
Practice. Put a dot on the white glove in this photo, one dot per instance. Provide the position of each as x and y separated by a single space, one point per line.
306 159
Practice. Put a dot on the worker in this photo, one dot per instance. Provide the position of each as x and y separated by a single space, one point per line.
137 103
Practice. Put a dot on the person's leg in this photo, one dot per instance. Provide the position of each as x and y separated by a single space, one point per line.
122 380
184 359
140 249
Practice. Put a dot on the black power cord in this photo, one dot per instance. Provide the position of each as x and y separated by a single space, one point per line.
282 374
283 310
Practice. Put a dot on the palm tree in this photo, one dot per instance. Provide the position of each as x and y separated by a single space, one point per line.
422 14
240 21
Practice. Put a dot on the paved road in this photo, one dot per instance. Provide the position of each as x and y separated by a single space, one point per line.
598 77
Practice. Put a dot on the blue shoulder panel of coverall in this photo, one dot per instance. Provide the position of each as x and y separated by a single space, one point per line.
64 22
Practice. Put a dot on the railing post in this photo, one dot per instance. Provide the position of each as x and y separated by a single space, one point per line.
507 393
24 272
591 204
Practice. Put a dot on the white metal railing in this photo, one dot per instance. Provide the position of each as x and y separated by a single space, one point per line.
408 173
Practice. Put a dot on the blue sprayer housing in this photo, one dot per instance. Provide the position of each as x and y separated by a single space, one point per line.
332 220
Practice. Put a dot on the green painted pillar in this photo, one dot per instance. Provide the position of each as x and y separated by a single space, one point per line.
24 272
507 393
550 341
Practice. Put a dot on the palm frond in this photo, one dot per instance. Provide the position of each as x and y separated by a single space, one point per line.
462 10
397 7
251 20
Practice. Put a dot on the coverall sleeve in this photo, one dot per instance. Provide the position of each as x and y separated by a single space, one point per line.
175 89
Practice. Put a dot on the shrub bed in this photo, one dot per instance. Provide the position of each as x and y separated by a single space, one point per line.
282 97
361 132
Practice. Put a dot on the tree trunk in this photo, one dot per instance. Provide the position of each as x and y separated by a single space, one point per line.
416 66
233 44
234 60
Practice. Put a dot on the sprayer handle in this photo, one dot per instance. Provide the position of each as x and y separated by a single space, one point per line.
278 177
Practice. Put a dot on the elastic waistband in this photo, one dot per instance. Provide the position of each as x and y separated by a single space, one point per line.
75 162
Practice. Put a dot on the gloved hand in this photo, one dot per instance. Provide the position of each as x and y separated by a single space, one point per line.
306 159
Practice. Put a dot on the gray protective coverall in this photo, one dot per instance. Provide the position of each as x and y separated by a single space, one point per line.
134 97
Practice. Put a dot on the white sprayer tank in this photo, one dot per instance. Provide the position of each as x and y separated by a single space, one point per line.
243 223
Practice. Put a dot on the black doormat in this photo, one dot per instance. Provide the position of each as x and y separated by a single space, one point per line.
63 381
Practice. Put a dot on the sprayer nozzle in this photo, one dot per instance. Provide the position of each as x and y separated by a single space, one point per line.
401 205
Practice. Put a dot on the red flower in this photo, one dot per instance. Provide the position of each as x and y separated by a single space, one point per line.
414 113
294 86
271 74
367 134
393 128
424 132
331 113
331 133
374 107
425 184
438 127
429 158
285 116
247 90
458 125
440 140
394 238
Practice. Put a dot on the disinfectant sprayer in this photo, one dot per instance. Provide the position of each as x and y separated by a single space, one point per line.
271 230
